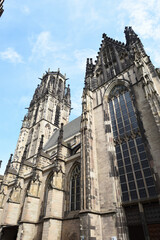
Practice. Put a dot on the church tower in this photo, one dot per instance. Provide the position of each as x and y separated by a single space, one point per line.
49 107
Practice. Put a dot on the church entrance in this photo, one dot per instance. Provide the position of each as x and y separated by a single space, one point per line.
154 231
136 232
135 228
151 214
9 233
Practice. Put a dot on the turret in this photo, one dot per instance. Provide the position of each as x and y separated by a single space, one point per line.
89 72
131 36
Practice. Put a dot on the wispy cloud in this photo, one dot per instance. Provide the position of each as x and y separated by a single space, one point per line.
43 46
90 13
26 10
77 7
24 100
81 55
76 103
144 16
154 53
11 55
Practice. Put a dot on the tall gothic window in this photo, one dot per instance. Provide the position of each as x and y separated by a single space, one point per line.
57 115
135 174
75 189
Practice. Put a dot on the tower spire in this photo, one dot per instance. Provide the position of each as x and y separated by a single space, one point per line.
9 163
49 107
41 144
131 36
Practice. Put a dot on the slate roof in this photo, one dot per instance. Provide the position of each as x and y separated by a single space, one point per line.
70 129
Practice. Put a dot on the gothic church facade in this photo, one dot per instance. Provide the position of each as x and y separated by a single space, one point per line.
98 176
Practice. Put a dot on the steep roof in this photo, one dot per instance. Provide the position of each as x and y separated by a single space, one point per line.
70 129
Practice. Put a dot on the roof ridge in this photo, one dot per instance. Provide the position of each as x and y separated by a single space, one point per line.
112 40
70 129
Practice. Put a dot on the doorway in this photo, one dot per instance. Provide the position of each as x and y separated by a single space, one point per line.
154 231
136 232
9 233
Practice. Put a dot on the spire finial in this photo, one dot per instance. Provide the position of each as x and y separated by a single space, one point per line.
131 36
60 139
9 163
41 144
24 153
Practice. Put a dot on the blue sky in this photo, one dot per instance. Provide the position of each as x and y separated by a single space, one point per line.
37 35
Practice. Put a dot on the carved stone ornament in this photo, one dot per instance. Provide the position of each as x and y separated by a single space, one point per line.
34 185
15 193
2 196
57 178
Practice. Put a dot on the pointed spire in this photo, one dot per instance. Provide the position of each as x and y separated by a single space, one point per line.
89 71
60 139
68 95
41 144
24 154
104 35
58 72
9 163
131 36
89 66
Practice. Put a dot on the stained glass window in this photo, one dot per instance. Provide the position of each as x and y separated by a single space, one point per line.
56 121
133 166
75 189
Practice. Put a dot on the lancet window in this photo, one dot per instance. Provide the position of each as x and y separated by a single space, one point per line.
75 189
57 115
133 165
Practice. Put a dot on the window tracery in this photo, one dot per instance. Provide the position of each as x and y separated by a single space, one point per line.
134 171
75 189
57 115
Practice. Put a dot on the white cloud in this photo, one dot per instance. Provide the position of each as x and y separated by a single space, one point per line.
144 16
155 54
77 107
77 8
76 103
44 46
24 100
26 10
11 55
90 13
82 55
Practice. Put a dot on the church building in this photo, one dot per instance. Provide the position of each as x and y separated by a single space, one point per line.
98 176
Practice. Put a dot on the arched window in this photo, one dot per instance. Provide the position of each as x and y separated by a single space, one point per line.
135 174
47 195
57 115
47 131
75 189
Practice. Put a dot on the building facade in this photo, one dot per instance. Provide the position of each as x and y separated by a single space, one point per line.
98 176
